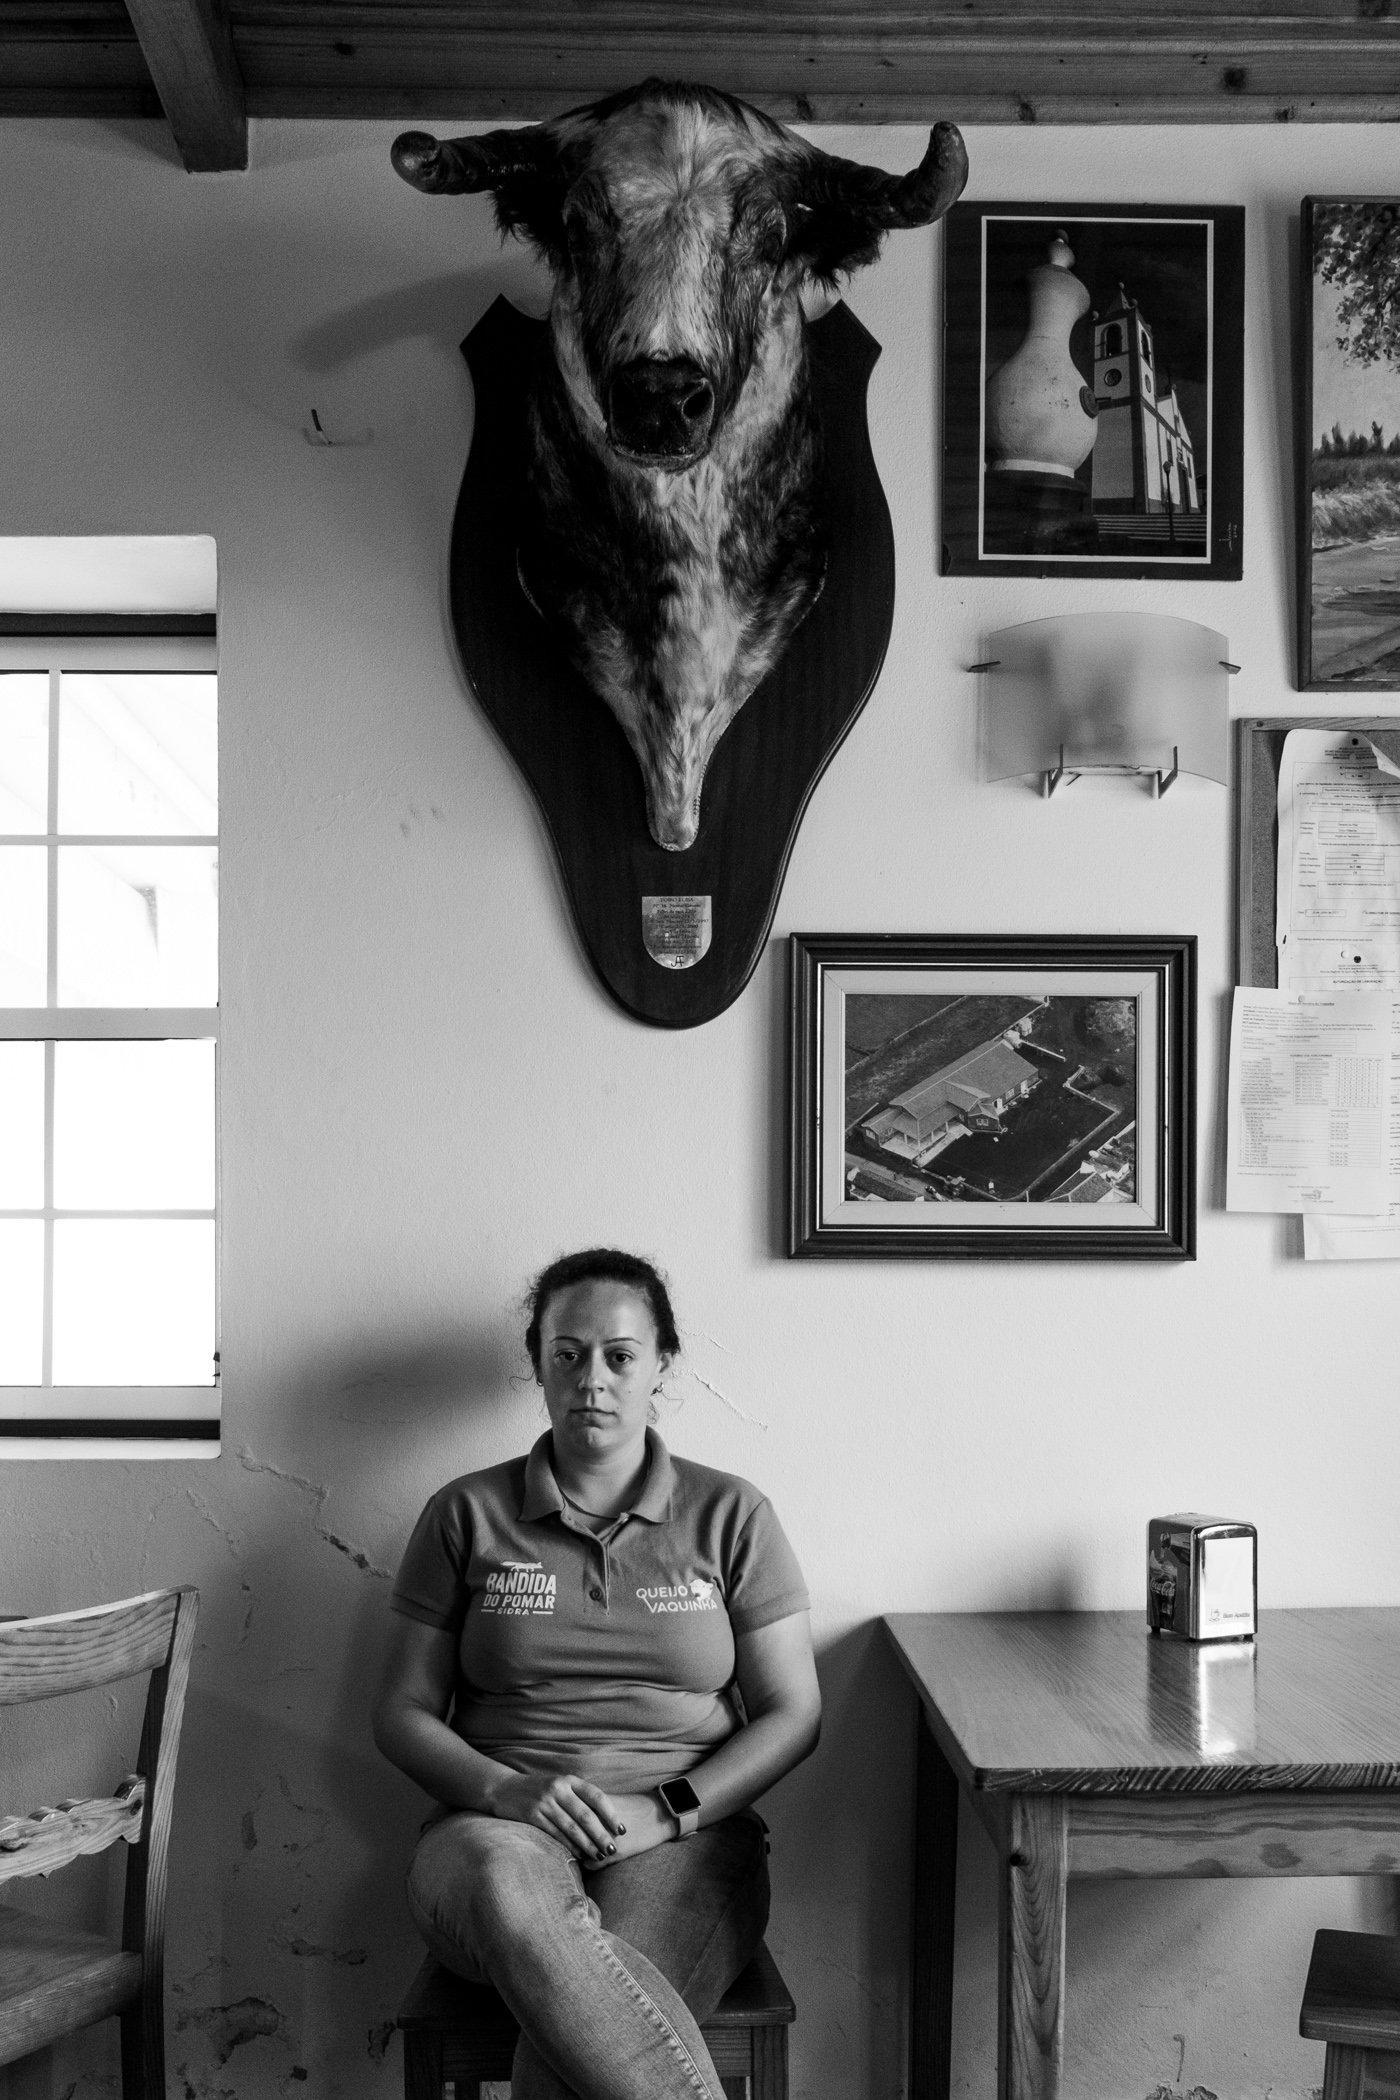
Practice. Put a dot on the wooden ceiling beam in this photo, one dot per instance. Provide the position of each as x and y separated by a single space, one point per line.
833 61
871 61
189 48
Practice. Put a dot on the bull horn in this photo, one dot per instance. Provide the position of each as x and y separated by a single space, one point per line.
890 201
453 167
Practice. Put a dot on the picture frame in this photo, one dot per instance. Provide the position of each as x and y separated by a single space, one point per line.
1026 1096
1348 475
1093 390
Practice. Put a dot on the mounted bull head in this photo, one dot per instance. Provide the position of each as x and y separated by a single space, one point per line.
676 530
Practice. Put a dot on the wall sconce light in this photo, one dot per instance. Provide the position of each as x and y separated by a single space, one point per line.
1141 694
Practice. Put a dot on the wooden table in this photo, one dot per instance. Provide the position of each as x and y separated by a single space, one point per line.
1092 1751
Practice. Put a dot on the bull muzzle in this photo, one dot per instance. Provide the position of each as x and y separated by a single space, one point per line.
661 411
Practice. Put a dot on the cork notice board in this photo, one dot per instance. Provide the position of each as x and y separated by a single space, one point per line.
1258 754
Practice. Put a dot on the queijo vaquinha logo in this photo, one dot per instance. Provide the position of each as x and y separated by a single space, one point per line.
696 1595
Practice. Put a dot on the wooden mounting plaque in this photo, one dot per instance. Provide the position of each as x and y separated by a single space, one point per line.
624 889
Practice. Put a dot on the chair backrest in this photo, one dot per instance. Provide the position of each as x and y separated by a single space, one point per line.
72 1652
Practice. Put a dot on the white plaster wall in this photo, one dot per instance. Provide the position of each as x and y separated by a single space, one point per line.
426 1096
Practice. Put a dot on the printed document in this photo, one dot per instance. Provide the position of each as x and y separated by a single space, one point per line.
1331 1238
1338 924
1309 1102
1338 849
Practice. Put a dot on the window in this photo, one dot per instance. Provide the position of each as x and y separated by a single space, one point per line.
108 1044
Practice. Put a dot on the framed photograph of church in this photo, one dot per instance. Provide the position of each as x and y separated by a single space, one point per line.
1093 390
1348 450
1028 1096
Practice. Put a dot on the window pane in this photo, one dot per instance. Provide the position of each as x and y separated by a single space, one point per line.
133 1302
138 926
138 753
21 1129
21 1301
134 1126
24 751
24 889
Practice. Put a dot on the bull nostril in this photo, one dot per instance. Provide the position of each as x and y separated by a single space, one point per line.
697 405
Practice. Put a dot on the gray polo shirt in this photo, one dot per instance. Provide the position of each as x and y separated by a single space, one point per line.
611 1656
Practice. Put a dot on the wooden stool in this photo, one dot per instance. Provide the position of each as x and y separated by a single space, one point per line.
1352 2002
455 2034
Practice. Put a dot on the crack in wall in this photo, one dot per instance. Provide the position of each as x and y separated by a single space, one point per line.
355 1554
319 1495
230 1539
215 1962
157 1508
313 1488
725 1401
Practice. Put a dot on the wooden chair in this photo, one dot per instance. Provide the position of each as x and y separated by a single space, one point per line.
1352 2002
53 1980
455 2034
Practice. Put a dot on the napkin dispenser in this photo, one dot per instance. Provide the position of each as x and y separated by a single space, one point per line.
1202 1578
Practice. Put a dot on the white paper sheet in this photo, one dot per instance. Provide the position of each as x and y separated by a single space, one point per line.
1309 1102
1338 844
1366 1239
1338 923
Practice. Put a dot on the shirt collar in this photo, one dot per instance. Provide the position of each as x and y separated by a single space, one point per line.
542 1497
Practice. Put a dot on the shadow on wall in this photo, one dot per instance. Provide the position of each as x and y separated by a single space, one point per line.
442 309
290 1943
841 1892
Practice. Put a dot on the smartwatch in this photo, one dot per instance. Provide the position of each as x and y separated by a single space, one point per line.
679 1799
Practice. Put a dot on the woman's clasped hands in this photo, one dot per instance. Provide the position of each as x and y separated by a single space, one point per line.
599 1828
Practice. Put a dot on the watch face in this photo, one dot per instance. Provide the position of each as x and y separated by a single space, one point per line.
679 1796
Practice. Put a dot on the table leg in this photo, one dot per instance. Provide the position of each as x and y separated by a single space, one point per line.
935 1886
1035 1872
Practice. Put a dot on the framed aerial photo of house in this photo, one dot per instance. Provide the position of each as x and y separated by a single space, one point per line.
1093 390
1025 1095
1349 446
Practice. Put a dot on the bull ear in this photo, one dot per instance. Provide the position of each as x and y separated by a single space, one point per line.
521 168
841 211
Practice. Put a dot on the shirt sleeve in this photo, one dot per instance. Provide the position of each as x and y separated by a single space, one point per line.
431 1585
765 1582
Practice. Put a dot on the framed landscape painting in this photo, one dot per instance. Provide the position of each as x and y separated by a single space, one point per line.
1093 390
955 1095
1349 446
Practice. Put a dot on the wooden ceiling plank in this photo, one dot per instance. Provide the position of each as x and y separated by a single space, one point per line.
868 19
843 61
188 46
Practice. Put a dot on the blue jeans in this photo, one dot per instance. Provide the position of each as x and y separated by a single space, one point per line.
610 1973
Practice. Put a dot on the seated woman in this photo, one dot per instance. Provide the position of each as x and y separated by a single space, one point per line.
601 1657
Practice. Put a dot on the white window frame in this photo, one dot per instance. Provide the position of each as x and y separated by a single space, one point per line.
127 1422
